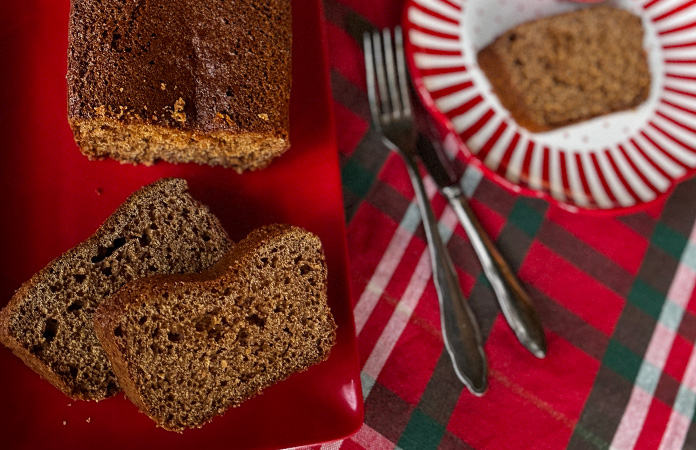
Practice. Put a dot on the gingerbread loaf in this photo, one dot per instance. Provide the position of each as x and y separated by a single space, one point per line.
185 348
568 68
48 321
182 81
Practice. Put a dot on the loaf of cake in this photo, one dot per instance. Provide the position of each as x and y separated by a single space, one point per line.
564 69
48 321
185 348
199 81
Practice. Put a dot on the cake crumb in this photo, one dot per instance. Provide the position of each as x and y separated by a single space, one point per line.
264 116
70 404
154 118
223 364
100 110
163 86
224 117
89 419
179 115
547 78
121 89
65 422
99 192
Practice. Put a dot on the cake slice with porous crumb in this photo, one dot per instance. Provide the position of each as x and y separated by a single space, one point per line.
48 321
563 69
187 347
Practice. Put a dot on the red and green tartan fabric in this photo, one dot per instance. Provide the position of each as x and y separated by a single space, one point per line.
616 295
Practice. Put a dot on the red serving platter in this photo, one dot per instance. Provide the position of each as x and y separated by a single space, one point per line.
53 198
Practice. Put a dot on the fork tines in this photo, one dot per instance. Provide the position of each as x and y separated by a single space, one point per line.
384 63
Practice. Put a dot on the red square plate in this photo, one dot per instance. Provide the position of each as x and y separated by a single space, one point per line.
53 198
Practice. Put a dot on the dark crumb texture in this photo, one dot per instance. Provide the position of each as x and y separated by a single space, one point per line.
48 322
186 348
567 68
205 81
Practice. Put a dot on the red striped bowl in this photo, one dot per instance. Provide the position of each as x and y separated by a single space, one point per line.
616 163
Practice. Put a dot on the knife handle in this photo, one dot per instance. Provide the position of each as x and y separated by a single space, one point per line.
460 331
512 297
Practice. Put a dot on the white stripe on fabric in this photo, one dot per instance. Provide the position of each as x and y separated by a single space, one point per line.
689 256
471 179
648 377
336 445
367 383
685 403
657 354
386 267
672 315
405 307
682 410
390 261
369 438
631 424
654 362
392 256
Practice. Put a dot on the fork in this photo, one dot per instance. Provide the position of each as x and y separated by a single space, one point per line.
392 117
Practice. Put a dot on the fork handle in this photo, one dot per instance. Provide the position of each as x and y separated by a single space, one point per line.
512 297
460 330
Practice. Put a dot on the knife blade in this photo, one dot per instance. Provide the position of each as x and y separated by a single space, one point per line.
515 303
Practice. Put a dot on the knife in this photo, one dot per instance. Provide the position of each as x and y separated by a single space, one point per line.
513 299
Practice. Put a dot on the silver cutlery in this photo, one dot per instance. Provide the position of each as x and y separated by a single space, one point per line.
392 116
513 299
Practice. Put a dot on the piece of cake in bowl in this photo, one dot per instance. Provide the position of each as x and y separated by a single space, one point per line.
564 69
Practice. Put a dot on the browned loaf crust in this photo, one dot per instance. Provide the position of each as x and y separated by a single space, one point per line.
564 69
182 81
186 348
48 321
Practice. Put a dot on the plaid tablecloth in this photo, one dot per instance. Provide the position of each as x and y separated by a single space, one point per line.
616 296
